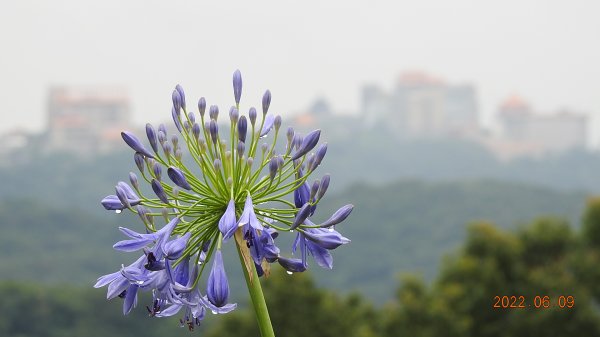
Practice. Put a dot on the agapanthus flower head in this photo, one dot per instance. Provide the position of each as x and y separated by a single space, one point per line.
242 193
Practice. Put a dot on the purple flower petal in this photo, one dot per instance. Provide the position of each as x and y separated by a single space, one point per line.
292 265
228 224
267 125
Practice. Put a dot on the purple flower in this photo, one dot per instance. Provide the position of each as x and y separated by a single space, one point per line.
135 144
248 217
217 289
228 223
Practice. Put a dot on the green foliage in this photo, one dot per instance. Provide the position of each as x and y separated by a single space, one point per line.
541 259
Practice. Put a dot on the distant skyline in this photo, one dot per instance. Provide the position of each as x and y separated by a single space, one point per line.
544 51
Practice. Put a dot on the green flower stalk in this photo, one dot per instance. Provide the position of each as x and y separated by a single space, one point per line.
233 182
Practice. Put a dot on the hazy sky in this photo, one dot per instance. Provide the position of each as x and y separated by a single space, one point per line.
547 51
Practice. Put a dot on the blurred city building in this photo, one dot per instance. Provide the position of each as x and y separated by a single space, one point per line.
86 120
423 106
525 132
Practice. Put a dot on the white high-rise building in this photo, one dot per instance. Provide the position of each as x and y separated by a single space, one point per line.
421 106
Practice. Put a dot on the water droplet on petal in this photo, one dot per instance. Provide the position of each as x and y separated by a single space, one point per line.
117 211
140 282
291 230
331 229
289 272
214 312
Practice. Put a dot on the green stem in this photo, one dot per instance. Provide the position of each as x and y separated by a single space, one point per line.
258 299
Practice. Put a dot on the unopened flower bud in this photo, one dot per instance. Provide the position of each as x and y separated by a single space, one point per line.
250 161
196 131
134 181
181 95
157 170
178 154
242 127
162 137
165 213
213 113
167 149
313 189
159 191
139 161
177 177
163 128
213 129
152 137
303 213
192 117
308 143
241 147
237 86
135 143
273 168
339 216
201 106
234 114
176 120
264 147
252 115
175 192
176 102
142 213
175 141
320 154
217 165
324 186
277 122
186 126
266 102
122 196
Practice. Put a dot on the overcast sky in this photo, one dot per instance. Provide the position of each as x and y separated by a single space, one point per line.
547 51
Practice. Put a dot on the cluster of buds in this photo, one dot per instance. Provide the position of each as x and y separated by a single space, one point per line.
238 190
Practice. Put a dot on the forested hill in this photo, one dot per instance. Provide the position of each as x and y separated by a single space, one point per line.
400 227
